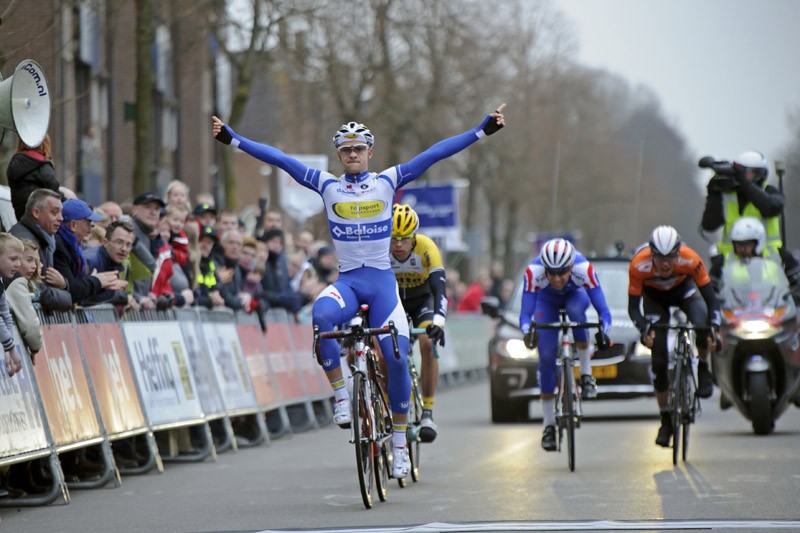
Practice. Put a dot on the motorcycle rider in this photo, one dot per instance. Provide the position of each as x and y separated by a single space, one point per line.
749 238
746 195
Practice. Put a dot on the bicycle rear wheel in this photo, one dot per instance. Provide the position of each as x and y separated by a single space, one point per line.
362 431
677 409
569 414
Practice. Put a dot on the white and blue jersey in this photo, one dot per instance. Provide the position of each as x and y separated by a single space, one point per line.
542 303
359 210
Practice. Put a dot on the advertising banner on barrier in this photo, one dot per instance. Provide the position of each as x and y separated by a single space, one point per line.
200 363
63 386
112 377
317 383
21 427
255 352
230 366
281 359
467 335
158 356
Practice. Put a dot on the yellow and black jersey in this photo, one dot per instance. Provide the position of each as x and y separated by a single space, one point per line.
413 274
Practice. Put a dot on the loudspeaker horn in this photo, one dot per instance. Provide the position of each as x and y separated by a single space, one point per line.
25 103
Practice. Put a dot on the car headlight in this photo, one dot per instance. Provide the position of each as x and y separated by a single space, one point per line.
516 349
642 350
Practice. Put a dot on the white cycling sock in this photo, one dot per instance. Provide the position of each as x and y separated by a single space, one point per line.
585 359
548 414
399 435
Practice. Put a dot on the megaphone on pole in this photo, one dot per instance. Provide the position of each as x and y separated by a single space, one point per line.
25 103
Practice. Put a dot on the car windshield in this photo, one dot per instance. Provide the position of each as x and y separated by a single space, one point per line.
613 276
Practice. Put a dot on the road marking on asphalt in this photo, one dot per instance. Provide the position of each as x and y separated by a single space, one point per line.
601 525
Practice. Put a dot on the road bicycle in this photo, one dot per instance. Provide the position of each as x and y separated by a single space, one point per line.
371 428
415 407
568 399
684 404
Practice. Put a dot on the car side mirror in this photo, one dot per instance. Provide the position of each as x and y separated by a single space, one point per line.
490 306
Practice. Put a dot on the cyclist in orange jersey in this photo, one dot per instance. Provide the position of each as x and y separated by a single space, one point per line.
663 274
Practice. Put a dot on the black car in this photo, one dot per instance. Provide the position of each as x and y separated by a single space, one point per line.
623 371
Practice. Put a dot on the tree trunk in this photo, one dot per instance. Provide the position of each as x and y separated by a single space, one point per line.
143 165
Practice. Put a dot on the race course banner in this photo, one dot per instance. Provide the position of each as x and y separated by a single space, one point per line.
21 428
282 362
112 378
202 370
158 355
64 387
230 366
255 352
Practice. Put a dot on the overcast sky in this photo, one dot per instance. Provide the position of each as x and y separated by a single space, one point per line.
727 71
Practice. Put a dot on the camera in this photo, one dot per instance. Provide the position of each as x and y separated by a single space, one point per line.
724 178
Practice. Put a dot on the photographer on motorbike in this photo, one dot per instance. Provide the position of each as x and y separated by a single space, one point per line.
740 190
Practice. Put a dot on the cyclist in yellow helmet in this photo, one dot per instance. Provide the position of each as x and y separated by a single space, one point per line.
417 265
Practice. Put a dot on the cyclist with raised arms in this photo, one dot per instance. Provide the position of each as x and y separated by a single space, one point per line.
561 278
358 205
666 273
417 265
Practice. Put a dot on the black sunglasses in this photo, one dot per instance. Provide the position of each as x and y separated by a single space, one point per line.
557 271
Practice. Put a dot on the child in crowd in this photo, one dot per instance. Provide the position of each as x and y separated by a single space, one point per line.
176 219
22 293
11 250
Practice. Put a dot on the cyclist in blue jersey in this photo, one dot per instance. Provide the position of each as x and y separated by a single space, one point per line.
359 208
561 278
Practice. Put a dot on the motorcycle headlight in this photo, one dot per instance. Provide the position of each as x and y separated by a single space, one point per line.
755 330
516 349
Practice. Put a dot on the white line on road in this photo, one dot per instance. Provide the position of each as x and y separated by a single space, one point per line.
601 525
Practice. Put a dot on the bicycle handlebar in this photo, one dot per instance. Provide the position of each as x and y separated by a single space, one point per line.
685 326
354 332
423 331
562 325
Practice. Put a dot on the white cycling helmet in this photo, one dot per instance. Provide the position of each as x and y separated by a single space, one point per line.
750 229
557 254
665 241
353 131
754 161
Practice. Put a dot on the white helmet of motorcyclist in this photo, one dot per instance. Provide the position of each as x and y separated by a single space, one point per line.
750 229
754 161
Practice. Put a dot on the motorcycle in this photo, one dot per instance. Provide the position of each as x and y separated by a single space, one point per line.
758 366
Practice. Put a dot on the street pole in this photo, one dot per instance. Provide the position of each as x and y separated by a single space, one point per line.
780 171
554 194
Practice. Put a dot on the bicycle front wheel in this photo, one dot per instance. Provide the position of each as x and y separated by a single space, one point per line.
569 413
689 408
677 408
414 420
362 433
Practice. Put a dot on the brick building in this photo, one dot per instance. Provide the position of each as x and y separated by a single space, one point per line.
87 51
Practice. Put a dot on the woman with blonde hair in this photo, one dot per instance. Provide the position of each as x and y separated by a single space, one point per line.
30 168
177 192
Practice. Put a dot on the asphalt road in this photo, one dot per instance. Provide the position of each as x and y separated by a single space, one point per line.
478 475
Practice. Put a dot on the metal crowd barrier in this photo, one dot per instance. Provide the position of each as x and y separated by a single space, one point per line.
154 377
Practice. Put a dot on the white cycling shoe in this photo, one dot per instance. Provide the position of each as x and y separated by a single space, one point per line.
342 413
402 464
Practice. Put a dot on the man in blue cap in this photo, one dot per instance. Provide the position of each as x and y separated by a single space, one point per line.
68 259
